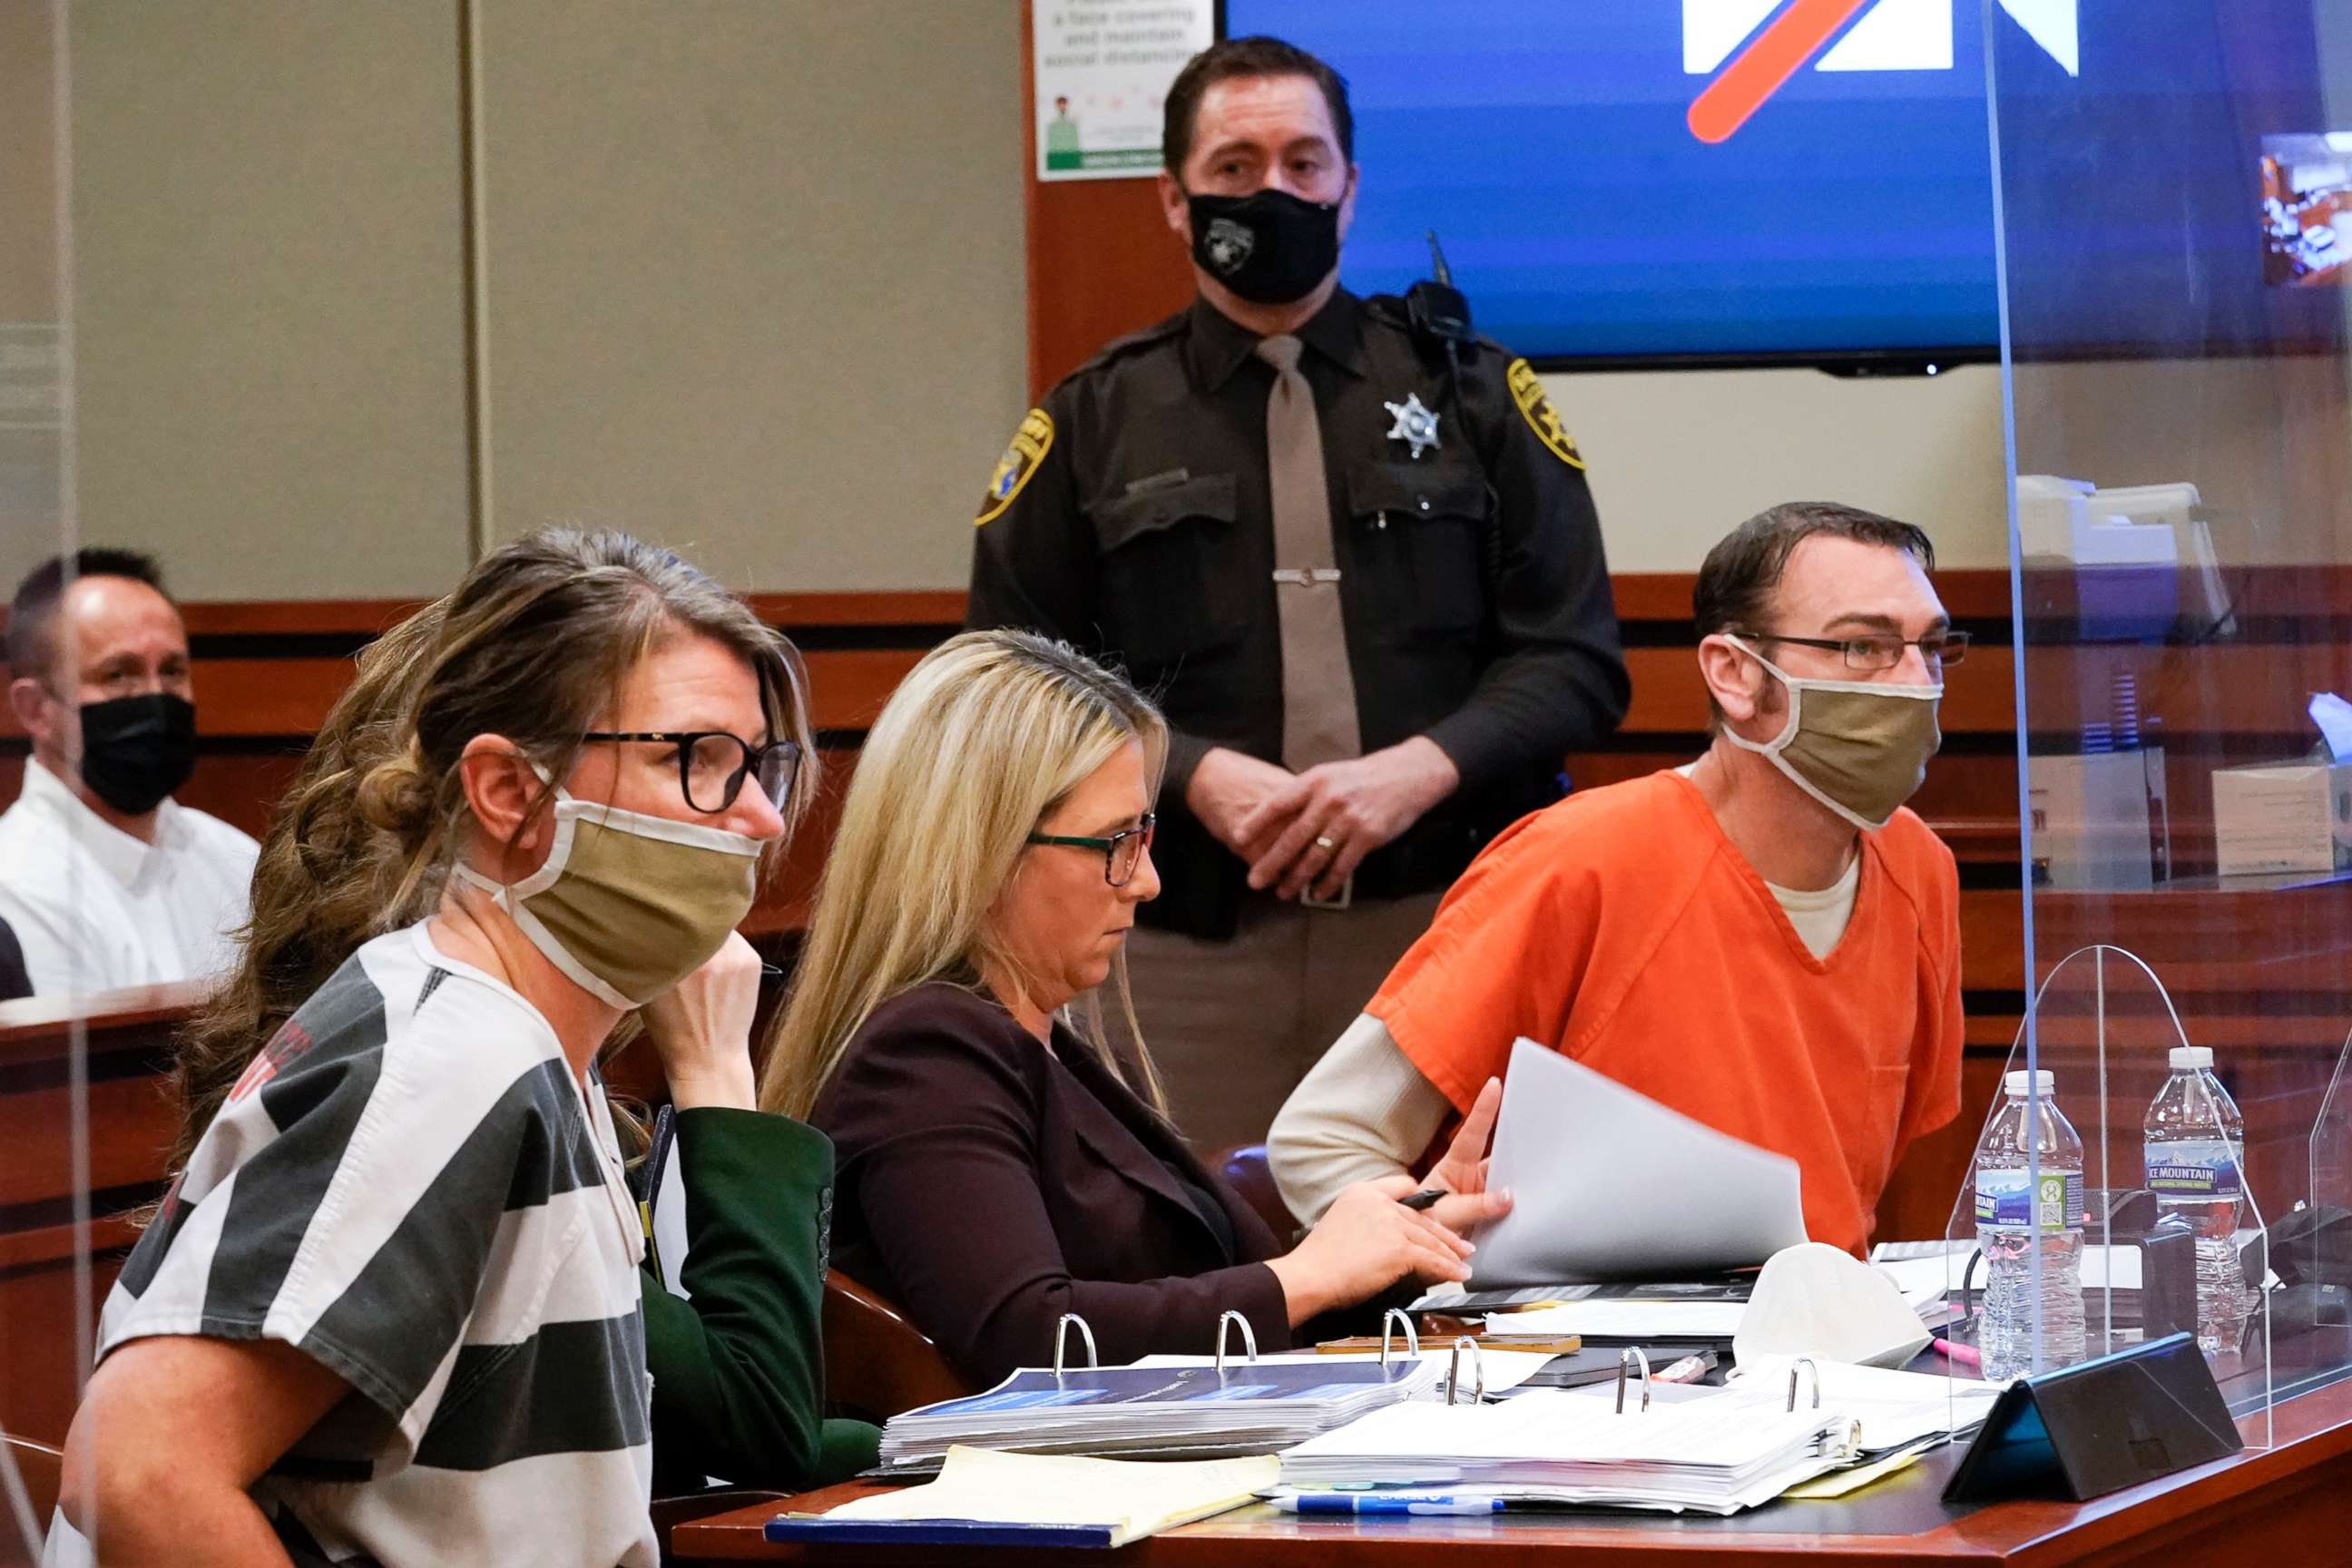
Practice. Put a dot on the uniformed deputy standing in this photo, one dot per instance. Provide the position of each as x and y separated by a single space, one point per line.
1368 591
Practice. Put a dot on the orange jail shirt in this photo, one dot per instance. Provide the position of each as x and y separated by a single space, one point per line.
1622 927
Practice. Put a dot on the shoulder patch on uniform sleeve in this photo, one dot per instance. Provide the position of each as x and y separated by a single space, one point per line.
1030 445
1535 407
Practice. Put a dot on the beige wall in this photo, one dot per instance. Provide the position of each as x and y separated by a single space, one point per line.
755 277
1679 456
270 367
753 286
31 439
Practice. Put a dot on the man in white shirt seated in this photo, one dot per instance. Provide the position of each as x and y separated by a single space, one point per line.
105 879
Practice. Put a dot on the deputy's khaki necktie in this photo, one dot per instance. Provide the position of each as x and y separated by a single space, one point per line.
1318 689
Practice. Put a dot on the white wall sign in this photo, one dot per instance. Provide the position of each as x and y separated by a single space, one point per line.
1102 69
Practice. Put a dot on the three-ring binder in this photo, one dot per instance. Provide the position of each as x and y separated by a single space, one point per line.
1062 1341
1226 1322
1394 1318
1630 1354
1806 1363
1454 1370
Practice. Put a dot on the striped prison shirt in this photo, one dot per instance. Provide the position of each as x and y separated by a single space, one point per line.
410 1185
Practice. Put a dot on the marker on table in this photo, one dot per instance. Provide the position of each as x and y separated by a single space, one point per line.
1363 1503
1966 1355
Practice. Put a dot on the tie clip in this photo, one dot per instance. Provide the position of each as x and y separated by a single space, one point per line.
1307 576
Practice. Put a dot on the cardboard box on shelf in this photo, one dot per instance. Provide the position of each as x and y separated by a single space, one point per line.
2287 816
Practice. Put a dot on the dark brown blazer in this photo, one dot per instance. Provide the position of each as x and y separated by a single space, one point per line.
988 1186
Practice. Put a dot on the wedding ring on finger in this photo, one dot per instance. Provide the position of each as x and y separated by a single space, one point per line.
1326 843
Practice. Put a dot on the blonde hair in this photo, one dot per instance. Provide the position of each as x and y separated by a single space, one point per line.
533 645
980 743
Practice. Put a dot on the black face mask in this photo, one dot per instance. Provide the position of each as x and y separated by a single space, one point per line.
137 750
1270 247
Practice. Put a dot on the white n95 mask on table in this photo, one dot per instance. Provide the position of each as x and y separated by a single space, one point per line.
1818 1300
627 905
1859 747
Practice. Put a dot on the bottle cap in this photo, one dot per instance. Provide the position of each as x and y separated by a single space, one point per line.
2190 1058
2045 1083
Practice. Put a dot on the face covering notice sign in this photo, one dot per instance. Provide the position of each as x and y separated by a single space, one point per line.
1101 70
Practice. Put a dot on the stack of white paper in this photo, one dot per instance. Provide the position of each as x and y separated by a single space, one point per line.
1642 1323
1711 1455
1610 1183
1250 1407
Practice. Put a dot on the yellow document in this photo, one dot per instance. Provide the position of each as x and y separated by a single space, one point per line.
1130 1497
1838 1483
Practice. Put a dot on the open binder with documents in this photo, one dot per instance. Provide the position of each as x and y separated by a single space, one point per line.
1236 1404
1714 1451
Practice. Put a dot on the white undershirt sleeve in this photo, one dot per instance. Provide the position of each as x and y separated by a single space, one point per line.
1364 1111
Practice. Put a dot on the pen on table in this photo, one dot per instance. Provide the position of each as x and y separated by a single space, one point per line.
1372 1503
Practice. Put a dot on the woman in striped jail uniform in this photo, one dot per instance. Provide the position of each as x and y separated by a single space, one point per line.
391 1308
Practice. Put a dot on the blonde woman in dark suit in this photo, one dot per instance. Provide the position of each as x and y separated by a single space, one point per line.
998 1165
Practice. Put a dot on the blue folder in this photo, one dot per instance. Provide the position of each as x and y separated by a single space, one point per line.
934 1532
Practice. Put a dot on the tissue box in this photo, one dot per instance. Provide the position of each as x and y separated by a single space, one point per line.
2292 816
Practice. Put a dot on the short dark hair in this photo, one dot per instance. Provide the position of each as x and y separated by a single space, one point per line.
33 613
1255 56
1740 573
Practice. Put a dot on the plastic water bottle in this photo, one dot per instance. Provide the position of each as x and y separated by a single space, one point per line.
2194 1159
2021 1207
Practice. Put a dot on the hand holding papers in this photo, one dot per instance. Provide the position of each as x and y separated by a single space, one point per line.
1607 1182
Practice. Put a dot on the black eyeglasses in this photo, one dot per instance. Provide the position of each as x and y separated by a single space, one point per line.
1880 650
713 763
1122 852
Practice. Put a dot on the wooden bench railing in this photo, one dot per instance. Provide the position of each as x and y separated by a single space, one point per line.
119 1055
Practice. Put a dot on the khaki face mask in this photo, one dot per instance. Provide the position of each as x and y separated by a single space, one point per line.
1859 747
627 905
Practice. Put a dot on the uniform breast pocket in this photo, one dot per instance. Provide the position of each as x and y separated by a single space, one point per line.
1420 533
1169 571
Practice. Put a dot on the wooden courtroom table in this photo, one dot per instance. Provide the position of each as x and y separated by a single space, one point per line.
2281 1508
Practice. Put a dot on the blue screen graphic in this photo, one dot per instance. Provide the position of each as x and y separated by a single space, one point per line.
1853 214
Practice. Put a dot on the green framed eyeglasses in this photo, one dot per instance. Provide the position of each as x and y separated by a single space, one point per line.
1122 852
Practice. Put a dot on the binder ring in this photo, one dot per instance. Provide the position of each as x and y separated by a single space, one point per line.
1062 1341
1225 1321
1389 1322
1626 1357
1806 1363
1454 1370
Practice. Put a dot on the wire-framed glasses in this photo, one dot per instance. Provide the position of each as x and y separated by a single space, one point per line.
1122 852
713 763
1881 650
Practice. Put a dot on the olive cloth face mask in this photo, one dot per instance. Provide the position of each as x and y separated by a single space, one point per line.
627 905
1859 747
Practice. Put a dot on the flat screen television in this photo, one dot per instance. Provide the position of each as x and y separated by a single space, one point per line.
1625 184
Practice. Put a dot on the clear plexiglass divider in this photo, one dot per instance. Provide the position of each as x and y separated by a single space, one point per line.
2311 1251
54 1275
2107 1203
2172 218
